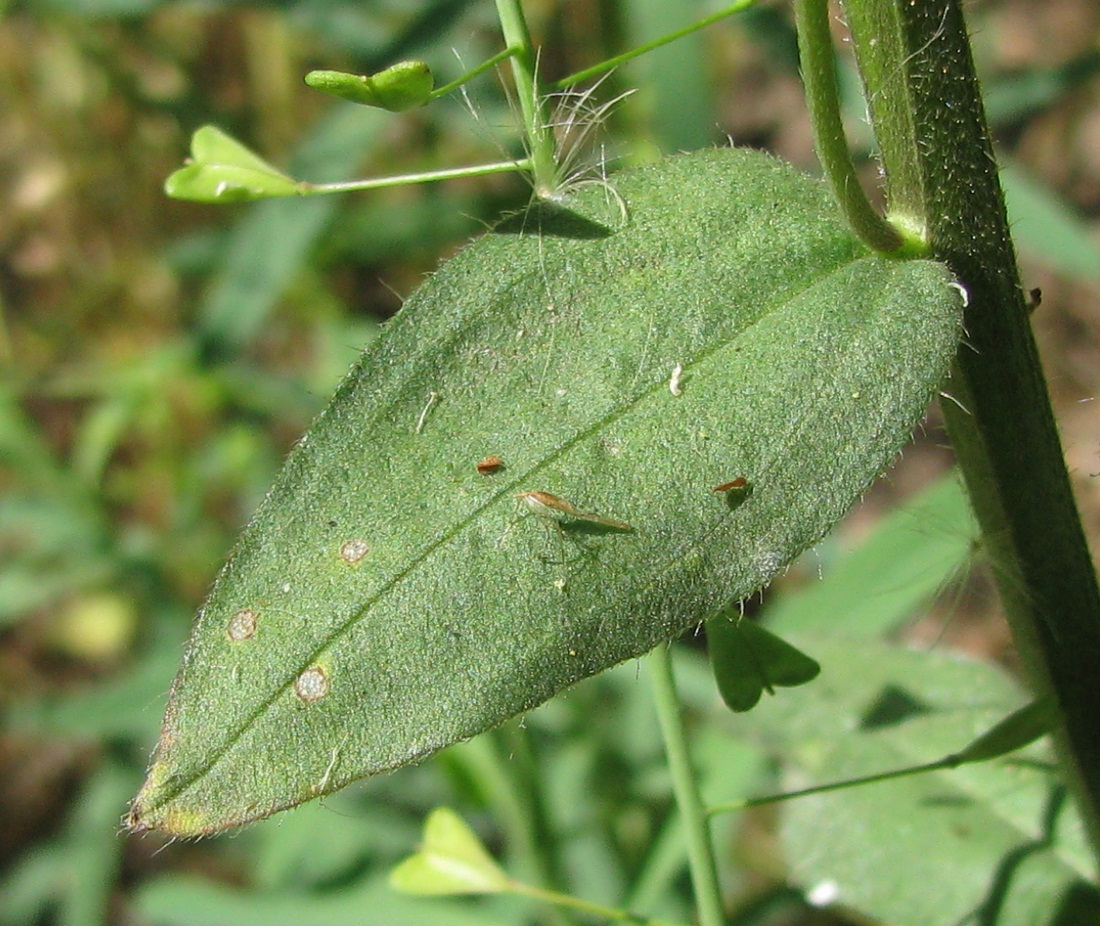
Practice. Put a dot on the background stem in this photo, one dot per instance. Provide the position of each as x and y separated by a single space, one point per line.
704 876
929 121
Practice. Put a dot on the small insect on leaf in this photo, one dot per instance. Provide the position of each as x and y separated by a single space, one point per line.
545 505
736 491
490 465
739 483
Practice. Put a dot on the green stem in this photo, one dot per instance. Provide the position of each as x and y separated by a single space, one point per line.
471 74
536 125
604 66
428 176
746 803
509 791
1020 728
586 906
704 875
941 171
815 48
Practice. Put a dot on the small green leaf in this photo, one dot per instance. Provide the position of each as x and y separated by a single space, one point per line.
1018 729
398 601
401 86
222 170
748 660
452 860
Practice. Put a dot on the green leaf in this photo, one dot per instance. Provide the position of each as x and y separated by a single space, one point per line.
993 837
401 86
452 860
1020 728
748 660
389 599
222 170
913 553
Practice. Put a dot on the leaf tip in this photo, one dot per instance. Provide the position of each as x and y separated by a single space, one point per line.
155 809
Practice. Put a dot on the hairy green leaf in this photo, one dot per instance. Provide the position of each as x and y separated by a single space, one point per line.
999 840
622 352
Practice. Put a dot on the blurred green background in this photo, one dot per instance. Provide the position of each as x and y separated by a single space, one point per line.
159 358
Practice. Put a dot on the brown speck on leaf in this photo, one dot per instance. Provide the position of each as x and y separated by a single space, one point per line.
490 465
739 483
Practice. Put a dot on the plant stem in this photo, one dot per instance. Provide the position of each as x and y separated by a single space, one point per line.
428 176
704 875
815 49
510 791
745 803
536 126
1020 728
604 66
586 906
472 73
929 121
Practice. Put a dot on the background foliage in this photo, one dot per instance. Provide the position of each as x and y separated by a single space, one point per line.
159 358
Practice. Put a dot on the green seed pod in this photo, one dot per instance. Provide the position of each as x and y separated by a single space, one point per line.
402 86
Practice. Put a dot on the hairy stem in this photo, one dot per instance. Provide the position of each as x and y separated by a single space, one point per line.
815 51
427 176
536 125
929 121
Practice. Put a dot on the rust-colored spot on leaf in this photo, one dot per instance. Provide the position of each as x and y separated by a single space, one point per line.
490 465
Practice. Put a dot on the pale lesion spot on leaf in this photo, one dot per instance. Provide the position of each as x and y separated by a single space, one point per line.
352 551
242 625
312 684
610 446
